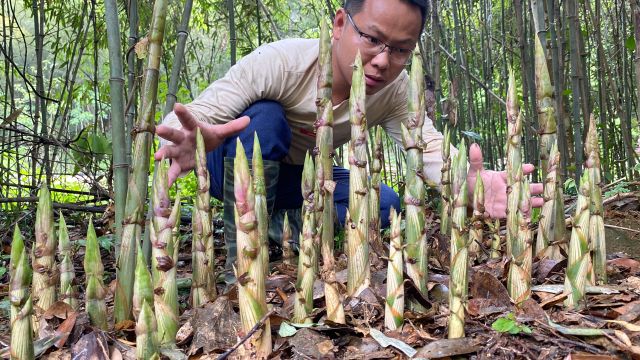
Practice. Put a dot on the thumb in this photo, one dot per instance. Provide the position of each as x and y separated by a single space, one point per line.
475 159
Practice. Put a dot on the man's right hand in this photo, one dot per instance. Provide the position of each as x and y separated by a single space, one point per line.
183 148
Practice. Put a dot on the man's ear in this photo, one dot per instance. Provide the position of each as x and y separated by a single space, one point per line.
339 22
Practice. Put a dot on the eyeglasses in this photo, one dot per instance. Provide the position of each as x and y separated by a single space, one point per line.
372 46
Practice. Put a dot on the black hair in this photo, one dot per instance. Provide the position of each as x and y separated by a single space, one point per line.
354 6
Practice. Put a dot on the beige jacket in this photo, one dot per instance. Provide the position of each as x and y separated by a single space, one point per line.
286 71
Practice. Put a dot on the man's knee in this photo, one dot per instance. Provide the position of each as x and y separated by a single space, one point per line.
269 122
388 199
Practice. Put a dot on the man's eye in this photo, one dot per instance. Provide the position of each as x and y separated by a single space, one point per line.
371 39
400 51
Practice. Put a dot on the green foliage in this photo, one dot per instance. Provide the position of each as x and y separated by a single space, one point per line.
630 43
509 324
621 187
91 148
570 187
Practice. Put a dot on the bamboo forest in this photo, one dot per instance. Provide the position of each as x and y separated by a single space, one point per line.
320 179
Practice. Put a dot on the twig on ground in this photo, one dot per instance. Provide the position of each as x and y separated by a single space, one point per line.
253 330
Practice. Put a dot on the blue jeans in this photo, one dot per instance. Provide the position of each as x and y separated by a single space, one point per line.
269 121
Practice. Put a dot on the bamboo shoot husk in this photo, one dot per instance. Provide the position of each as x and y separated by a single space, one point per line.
95 291
249 270
416 256
303 303
44 250
458 283
324 176
579 261
477 222
596 223
394 304
165 299
514 161
357 225
20 301
519 278
68 292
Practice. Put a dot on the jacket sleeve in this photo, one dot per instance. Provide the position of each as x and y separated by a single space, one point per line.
259 75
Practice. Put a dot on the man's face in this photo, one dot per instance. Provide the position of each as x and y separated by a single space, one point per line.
394 23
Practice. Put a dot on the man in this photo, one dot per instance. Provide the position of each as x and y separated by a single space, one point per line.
273 90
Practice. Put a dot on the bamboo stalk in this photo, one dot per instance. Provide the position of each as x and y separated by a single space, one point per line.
199 294
596 223
358 273
95 291
146 330
117 102
261 202
303 304
477 222
287 251
20 300
514 162
545 107
68 292
137 189
416 256
445 198
249 270
44 271
203 202
324 175
458 281
165 299
579 261
519 278
544 244
394 304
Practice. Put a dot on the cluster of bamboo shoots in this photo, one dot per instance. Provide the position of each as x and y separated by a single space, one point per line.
43 273
587 244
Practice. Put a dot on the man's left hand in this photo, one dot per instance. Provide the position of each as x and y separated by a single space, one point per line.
495 185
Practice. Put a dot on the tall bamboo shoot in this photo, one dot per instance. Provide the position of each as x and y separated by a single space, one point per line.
358 273
250 270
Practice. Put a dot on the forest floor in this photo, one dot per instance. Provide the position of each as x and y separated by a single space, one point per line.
608 326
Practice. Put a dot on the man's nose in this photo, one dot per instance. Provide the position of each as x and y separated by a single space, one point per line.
381 61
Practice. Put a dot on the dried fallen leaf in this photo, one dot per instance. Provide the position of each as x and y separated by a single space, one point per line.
448 347
65 328
92 346
485 285
626 325
631 265
58 309
184 333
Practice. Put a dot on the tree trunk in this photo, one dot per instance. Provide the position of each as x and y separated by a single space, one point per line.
574 30
178 58
232 30
116 90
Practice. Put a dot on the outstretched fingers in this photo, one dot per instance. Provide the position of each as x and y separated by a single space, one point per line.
174 172
231 128
476 161
185 117
168 151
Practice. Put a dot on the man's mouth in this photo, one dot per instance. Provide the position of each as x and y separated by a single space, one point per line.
373 81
